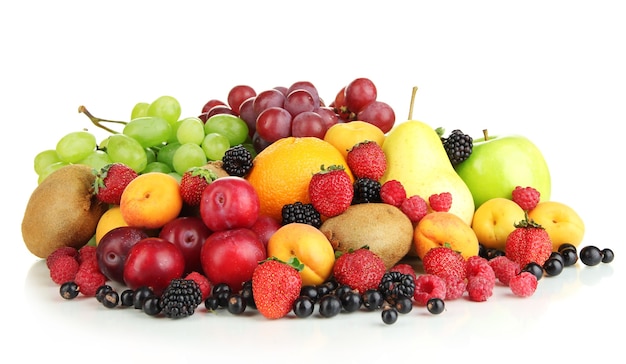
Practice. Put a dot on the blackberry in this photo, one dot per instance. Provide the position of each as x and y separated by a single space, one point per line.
302 213
458 146
237 161
395 285
366 190
180 298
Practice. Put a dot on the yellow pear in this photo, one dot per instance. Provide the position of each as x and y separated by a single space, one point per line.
416 158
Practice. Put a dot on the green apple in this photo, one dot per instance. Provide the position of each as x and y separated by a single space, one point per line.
498 164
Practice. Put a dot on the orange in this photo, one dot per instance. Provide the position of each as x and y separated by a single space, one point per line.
110 220
309 245
151 200
344 136
282 171
444 229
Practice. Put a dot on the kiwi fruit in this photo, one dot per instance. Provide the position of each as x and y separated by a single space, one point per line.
384 228
62 211
217 168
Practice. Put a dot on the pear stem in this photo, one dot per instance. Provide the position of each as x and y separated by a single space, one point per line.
485 134
98 121
412 103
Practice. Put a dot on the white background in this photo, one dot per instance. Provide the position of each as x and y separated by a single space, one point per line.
552 71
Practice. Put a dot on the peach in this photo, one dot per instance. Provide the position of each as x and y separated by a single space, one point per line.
309 245
561 222
110 220
494 220
344 136
444 229
151 200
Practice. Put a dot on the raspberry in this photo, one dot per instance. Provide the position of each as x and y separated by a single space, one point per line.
440 202
202 282
480 287
63 269
87 253
404 268
504 268
393 193
477 266
523 284
415 208
61 252
429 286
89 279
455 288
526 197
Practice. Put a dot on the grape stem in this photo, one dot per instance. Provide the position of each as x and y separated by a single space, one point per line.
412 103
98 121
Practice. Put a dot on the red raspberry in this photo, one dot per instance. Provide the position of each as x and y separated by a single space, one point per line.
429 286
479 266
202 282
455 287
480 287
415 208
61 252
523 284
393 193
89 279
504 268
87 253
404 268
526 197
63 269
440 202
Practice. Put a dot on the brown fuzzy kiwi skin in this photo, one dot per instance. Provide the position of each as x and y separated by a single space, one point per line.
384 228
62 211
216 167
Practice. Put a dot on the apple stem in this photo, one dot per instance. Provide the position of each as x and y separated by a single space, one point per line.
412 103
98 121
485 134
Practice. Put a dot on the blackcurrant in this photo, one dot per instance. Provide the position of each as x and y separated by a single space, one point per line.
535 269
553 267
151 306
570 257
590 255
403 304
389 315
101 291
236 304
211 303
372 299
566 246
68 290
329 305
310 291
351 301
303 306
557 255
111 299
607 255
127 298
140 295
435 306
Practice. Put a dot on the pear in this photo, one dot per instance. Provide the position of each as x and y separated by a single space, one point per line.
417 159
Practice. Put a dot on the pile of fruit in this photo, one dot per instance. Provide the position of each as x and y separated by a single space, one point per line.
276 202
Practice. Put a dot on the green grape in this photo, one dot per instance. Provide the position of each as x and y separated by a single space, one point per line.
49 169
96 159
174 127
149 131
44 159
176 175
123 149
166 153
139 110
150 155
214 146
157 167
230 126
190 130
187 156
75 146
166 107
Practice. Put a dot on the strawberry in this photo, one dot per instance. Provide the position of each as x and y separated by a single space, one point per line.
275 286
444 262
529 242
331 190
367 160
111 181
193 182
359 269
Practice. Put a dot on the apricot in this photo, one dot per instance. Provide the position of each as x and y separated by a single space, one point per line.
151 200
561 221
344 136
444 229
494 220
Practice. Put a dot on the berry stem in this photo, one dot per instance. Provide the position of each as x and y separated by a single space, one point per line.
412 103
98 121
